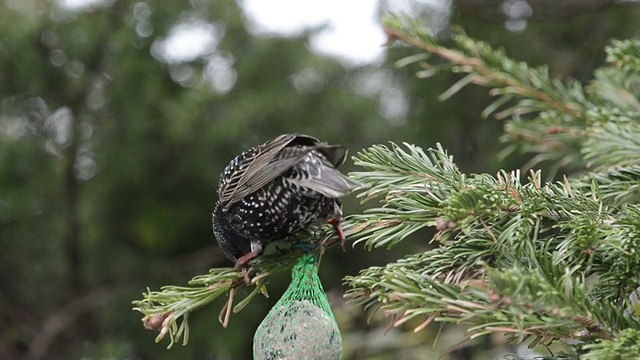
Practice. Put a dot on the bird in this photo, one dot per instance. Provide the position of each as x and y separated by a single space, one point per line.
274 190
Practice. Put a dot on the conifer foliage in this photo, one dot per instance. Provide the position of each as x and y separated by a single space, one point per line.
540 261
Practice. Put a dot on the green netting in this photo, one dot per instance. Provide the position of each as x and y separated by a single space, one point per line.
301 324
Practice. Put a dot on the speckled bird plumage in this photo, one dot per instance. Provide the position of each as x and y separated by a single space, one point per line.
275 190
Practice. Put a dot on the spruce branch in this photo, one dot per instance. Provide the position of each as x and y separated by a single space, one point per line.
163 309
624 55
615 87
616 186
625 346
491 68
613 145
540 261
519 90
559 122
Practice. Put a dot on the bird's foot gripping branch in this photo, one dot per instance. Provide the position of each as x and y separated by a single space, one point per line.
167 310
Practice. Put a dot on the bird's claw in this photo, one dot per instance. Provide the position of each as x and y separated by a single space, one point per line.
338 229
245 275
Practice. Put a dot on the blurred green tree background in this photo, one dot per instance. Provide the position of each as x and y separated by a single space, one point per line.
111 146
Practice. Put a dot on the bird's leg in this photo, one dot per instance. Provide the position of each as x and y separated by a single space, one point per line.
335 221
338 229
242 262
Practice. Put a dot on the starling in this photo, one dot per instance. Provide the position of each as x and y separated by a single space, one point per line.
274 190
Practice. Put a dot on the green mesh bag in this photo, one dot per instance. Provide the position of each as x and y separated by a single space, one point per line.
301 324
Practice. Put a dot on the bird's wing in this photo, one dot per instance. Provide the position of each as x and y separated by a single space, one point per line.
320 176
268 163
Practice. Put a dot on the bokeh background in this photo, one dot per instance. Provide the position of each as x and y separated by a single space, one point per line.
117 117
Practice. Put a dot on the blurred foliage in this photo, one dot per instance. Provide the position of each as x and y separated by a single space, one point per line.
110 149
